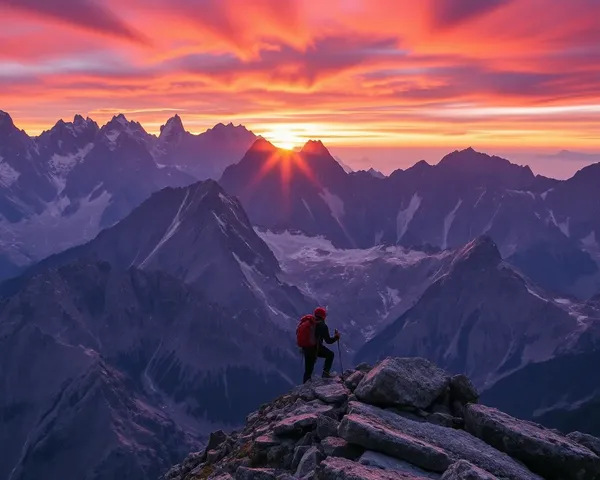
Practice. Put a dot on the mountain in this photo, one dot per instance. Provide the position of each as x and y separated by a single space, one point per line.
61 188
405 419
375 173
205 155
363 289
483 318
445 205
140 341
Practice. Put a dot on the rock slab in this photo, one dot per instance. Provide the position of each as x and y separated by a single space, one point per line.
403 382
391 464
553 456
589 441
334 393
455 444
343 469
463 470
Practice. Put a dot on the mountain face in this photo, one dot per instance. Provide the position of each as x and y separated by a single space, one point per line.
143 338
482 318
202 156
61 188
363 290
445 206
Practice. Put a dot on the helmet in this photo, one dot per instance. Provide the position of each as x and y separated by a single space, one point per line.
320 312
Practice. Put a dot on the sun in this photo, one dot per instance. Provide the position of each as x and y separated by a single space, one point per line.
284 136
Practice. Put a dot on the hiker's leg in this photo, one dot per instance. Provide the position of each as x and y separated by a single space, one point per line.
310 357
328 355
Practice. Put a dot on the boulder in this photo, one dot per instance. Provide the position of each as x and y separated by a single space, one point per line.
309 461
403 382
298 454
462 390
391 464
343 469
455 444
463 470
445 420
338 447
266 441
364 367
245 473
296 425
354 379
553 456
375 435
332 393
589 441
215 439
327 427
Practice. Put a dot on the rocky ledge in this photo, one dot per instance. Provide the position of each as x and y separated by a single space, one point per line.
403 419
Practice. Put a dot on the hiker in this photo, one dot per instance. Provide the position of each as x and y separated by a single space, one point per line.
312 331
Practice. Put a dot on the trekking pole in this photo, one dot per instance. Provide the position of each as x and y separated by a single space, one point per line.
341 365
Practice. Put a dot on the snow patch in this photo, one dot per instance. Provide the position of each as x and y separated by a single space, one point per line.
8 175
545 194
335 204
448 223
480 197
522 192
590 240
563 226
308 208
405 216
536 295
169 232
221 223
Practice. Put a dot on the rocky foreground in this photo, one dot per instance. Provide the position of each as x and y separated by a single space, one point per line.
403 419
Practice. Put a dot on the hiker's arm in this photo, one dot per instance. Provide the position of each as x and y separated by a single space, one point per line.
326 337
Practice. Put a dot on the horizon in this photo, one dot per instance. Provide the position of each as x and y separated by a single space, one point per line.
559 165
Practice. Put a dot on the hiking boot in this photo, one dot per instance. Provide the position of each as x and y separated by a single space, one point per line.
327 375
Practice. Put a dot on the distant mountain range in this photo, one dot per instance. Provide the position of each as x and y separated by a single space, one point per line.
61 188
547 228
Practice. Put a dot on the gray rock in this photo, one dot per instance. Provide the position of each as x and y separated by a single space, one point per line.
343 469
298 454
457 444
413 382
463 470
354 379
364 367
307 440
296 425
375 435
309 462
216 439
332 393
445 420
327 427
338 447
220 476
245 473
543 451
589 441
462 390
391 464
266 441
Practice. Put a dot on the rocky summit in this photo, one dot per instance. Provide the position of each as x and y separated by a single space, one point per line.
402 419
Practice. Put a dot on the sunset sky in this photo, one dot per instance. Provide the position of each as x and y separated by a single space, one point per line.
382 82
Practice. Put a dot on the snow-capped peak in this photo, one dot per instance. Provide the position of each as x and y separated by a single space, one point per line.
5 119
173 128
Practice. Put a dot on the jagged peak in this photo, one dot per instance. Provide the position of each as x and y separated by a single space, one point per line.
5 119
173 127
261 144
315 147
481 250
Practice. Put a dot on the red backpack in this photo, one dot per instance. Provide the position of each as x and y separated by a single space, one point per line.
305 333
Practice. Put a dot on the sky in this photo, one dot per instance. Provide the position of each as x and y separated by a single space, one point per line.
382 83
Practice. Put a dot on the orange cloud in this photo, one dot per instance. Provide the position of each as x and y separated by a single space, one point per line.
353 72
